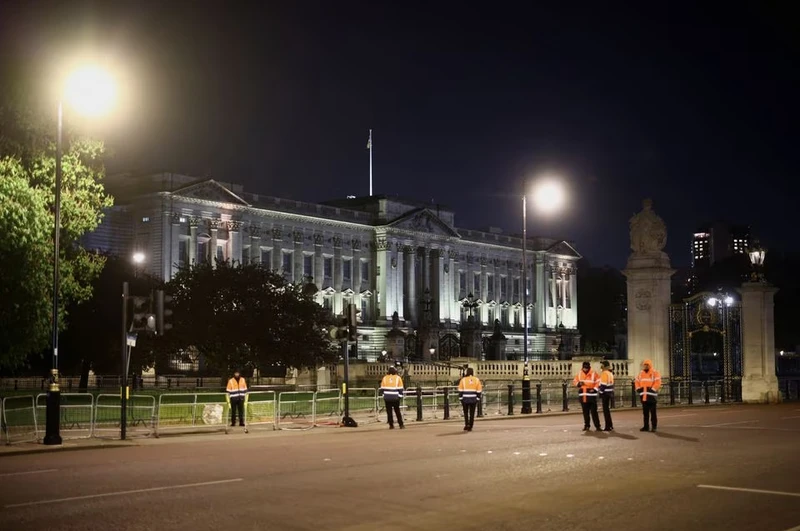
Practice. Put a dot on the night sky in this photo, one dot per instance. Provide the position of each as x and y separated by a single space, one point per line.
696 108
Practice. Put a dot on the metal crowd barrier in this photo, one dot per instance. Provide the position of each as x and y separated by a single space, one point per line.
141 414
77 414
261 409
364 404
19 419
328 408
192 411
296 410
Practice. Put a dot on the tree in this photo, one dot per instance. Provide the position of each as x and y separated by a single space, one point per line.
27 198
244 316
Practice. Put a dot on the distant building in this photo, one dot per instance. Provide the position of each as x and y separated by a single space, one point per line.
718 241
401 262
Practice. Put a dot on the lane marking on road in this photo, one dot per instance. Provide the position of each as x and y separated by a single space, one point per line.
124 492
542 455
728 424
28 472
796 528
752 491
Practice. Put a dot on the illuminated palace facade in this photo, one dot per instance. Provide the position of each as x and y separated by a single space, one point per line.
395 259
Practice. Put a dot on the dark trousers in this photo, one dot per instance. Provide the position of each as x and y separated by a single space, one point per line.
469 414
590 406
393 406
237 405
649 412
607 398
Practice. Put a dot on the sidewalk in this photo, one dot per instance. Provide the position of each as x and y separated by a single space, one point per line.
261 432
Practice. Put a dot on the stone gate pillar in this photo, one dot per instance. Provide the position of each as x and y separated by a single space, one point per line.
649 294
759 379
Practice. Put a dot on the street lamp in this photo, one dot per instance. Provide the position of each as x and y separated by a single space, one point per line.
432 350
757 255
549 197
89 91
138 258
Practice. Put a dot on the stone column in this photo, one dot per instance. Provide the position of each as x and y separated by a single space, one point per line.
540 281
648 273
382 285
277 248
235 241
175 246
452 281
411 284
338 300
193 222
484 309
212 244
759 378
255 245
319 266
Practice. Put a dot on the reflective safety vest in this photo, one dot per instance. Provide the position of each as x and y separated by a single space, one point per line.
469 390
237 389
648 384
392 387
606 382
587 383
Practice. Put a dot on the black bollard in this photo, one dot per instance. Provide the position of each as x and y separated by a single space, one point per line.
446 403
705 392
419 403
564 398
633 394
480 406
671 393
510 399
689 388
538 397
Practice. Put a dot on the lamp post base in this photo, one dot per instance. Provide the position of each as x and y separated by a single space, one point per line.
52 435
526 395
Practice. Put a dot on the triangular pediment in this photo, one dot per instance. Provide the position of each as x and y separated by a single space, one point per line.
563 248
210 190
423 220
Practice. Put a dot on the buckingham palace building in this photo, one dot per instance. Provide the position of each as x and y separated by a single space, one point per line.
421 283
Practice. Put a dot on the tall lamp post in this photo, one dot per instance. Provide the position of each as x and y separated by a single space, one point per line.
90 91
548 197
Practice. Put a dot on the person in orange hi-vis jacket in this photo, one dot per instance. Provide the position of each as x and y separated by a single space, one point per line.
648 382
587 383
606 390
392 391
470 389
237 389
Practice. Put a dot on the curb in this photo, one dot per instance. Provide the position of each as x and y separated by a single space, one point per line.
41 449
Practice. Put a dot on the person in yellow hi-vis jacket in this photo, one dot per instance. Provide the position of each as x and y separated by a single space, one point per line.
237 391
606 390
469 392
392 390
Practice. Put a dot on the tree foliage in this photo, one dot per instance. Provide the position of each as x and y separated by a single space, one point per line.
27 200
245 316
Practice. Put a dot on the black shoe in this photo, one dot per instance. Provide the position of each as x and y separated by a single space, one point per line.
241 425
391 427
233 425
598 428
586 428
402 426
653 430
609 429
645 429
466 428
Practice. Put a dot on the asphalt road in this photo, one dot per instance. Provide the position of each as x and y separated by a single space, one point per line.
522 473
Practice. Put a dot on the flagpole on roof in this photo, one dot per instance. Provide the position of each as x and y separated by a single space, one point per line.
369 147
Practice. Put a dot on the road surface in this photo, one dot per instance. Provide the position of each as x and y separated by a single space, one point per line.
727 468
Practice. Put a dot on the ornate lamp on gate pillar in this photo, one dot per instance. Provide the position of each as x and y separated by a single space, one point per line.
649 295
759 379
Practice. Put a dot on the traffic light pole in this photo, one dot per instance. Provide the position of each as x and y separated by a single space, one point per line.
123 420
347 422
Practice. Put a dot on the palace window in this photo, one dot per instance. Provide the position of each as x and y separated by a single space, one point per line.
287 265
347 269
365 271
183 253
202 251
327 267
503 288
308 265
476 286
462 283
490 286
266 258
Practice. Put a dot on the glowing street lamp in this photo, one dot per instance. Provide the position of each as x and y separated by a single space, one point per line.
757 255
138 258
549 197
89 91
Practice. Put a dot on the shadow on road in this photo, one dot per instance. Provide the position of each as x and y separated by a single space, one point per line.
676 437
462 432
622 436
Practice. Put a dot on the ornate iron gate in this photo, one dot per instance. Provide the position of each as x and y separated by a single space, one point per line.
707 312
449 346
411 347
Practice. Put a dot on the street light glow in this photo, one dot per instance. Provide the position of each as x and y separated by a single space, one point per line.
138 258
728 300
90 91
549 196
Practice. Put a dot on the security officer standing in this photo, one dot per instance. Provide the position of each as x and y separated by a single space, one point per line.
469 392
606 390
648 382
237 390
392 389
587 382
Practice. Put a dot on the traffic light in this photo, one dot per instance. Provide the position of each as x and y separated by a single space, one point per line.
143 317
339 331
352 323
163 312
